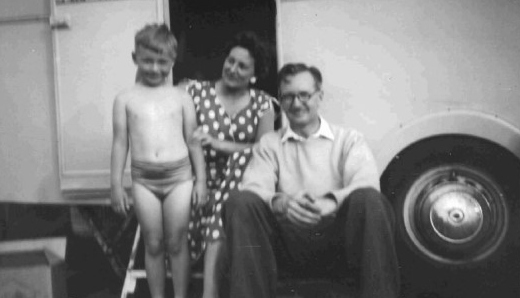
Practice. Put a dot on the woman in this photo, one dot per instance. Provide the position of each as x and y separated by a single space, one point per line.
232 116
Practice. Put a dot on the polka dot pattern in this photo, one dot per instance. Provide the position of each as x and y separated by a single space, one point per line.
223 172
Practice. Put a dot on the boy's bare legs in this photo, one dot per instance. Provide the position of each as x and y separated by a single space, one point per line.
210 266
176 213
148 209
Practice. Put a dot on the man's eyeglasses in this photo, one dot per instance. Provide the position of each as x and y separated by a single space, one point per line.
304 96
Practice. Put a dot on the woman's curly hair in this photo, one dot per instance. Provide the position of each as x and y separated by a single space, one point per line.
257 49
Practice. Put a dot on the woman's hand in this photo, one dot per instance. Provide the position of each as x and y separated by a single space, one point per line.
204 138
200 193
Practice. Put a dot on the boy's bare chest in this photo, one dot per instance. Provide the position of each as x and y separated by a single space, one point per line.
160 110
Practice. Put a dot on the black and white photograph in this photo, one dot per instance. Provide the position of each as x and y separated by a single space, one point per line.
259 149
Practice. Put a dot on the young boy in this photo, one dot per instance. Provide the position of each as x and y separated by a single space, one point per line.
156 121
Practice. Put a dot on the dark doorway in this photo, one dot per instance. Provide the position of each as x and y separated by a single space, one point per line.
205 27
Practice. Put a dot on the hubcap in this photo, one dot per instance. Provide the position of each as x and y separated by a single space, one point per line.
456 217
455 214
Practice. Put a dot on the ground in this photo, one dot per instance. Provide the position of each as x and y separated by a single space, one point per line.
90 274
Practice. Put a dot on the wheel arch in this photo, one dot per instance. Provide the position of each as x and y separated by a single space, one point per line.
452 122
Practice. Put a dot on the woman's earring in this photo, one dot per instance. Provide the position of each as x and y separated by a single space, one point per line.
252 80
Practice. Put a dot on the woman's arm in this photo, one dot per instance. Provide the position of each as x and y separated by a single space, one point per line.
265 124
195 150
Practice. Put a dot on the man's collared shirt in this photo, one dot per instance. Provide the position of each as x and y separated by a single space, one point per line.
323 131
332 161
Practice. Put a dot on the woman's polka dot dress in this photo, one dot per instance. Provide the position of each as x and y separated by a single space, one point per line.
223 171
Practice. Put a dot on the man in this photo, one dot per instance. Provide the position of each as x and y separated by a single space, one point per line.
309 203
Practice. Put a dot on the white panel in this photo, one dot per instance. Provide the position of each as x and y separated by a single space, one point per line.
386 63
94 64
24 8
28 152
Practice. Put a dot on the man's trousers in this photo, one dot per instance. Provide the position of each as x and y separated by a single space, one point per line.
360 239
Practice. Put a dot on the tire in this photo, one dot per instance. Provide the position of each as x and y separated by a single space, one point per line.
456 200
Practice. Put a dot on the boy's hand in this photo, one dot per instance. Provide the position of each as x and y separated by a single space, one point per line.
120 203
199 195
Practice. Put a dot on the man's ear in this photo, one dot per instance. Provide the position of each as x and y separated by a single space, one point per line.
320 94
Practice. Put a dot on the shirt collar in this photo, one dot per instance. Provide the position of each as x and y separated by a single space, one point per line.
323 132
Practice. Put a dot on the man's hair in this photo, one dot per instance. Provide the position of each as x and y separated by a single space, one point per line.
158 38
291 69
256 48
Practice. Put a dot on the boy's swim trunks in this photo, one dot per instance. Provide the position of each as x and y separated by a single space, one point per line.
161 178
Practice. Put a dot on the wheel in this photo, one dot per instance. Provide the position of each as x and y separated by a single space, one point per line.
455 214
456 204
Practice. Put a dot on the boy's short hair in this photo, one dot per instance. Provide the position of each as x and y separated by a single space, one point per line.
158 38
291 69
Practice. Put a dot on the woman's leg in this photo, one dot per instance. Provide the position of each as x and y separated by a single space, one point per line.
149 214
211 271
176 214
214 242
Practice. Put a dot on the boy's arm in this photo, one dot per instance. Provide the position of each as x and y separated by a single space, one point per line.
119 155
195 149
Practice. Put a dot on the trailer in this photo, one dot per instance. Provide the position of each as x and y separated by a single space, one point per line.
433 86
